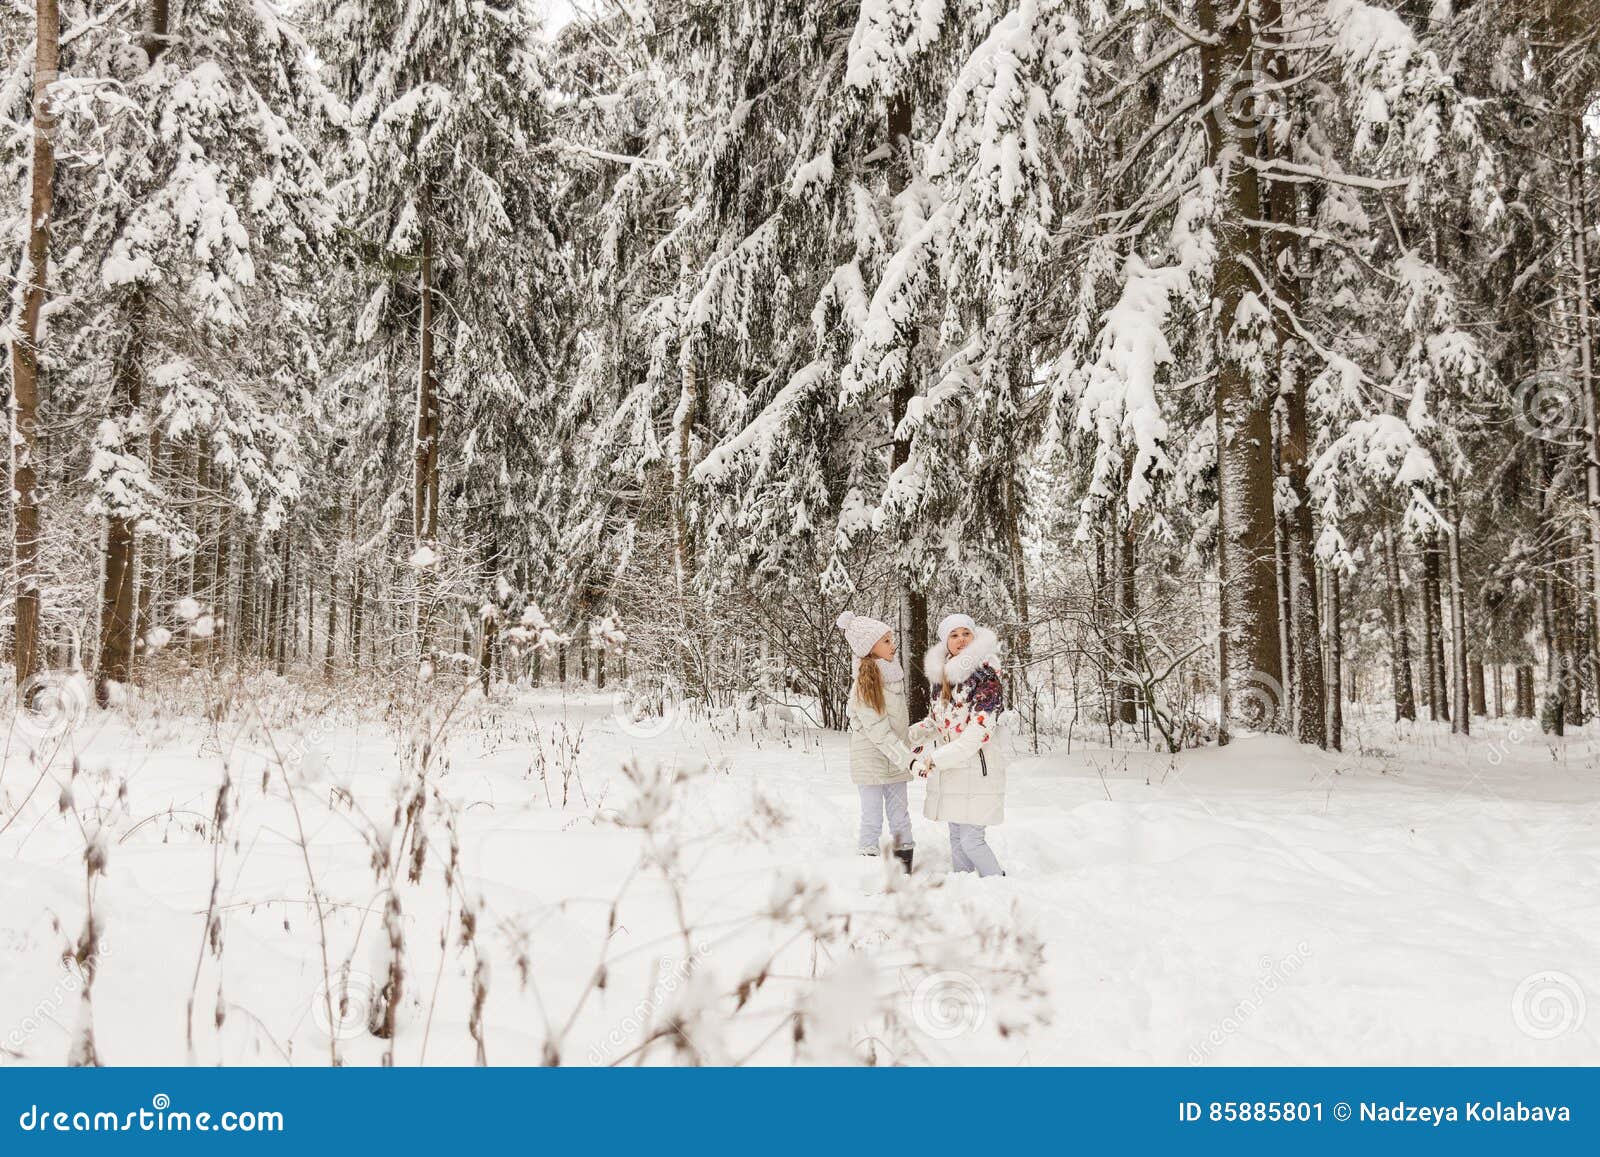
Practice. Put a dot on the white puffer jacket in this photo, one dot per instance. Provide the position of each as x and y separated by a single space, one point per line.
968 781
881 741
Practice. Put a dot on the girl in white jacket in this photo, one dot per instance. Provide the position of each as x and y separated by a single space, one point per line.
881 741
966 773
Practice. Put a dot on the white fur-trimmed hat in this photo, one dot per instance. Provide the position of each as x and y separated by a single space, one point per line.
951 622
861 633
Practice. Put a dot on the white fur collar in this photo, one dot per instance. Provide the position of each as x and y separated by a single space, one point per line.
940 664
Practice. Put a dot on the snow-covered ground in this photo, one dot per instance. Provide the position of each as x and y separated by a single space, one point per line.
685 889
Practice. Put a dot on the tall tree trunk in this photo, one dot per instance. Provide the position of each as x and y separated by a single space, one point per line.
358 597
1251 676
25 351
1022 642
114 663
1280 544
1282 206
148 572
1127 610
197 578
118 625
1101 608
913 599
1461 721
1432 632
1441 615
283 624
491 627
1553 712
425 468
1577 235
220 595
246 632
683 464
1334 700
1394 605
333 625
1525 705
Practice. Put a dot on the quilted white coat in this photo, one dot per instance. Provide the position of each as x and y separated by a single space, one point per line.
881 741
968 781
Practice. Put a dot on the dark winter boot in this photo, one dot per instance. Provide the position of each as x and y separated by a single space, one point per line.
904 856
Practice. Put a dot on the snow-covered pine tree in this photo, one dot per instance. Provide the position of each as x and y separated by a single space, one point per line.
448 194
29 291
192 204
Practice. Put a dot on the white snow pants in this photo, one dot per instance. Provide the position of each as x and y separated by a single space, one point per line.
877 801
969 852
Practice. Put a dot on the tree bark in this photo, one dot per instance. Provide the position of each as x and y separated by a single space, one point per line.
1461 721
1577 234
357 615
1432 629
118 621
114 663
1280 544
683 435
1283 207
221 601
1022 643
425 449
26 524
913 600
1558 661
1127 609
1333 704
1524 697
1405 703
1249 660
491 627
247 631
283 628
333 625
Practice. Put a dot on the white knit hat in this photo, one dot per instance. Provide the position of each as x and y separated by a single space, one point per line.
861 633
951 622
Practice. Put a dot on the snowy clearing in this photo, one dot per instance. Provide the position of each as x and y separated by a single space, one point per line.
1419 899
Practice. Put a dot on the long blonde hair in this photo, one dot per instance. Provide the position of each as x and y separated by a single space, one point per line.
869 683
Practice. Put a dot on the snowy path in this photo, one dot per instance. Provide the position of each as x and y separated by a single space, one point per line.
1426 900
